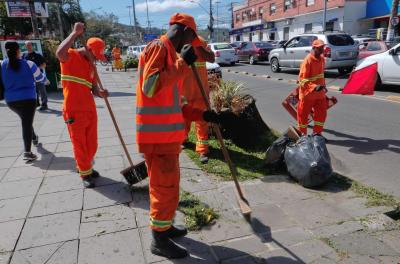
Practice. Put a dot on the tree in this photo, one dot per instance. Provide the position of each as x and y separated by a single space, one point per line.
13 25
104 26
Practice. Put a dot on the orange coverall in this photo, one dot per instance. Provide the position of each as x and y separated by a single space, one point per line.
79 109
160 71
191 91
116 53
311 75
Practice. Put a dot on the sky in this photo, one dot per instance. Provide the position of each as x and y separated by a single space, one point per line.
161 10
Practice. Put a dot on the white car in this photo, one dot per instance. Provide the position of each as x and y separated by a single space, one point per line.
388 66
134 51
214 68
224 53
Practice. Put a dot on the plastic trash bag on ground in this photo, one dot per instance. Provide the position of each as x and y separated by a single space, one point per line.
275 153
308 161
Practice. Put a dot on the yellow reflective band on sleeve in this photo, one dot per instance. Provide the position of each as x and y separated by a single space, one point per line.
75 79
311 79
302 126
200 64
160 223
318 123
202 142
150 85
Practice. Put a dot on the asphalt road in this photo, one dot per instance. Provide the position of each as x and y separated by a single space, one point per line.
363 131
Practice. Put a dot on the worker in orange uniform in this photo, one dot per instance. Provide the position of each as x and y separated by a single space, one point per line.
191 92
160 126
312 90
79 109
116 54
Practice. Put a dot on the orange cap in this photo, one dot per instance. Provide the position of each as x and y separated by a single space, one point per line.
188 21
97 45
318 43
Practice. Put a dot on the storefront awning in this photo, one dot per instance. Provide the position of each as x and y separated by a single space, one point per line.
239 31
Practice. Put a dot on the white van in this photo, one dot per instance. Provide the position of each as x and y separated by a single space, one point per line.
134 51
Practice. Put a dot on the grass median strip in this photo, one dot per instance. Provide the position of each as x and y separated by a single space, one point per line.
250 163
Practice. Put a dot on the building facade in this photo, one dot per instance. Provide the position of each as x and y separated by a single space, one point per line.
261 20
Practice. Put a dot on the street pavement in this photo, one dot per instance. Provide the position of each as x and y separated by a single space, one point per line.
362 130
46 217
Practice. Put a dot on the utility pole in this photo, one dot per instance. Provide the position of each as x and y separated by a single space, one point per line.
134 16
33 19
216 28
60 23
130 19
210 27
232 17
148 20
324 20
393 16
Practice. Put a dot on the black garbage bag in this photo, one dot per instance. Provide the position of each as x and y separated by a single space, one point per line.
274 155
308 161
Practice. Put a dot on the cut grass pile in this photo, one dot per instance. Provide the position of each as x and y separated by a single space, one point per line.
197 214
249 163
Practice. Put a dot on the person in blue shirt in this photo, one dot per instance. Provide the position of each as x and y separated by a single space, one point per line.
19 77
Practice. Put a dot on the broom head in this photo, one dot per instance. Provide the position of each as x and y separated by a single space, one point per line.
136 173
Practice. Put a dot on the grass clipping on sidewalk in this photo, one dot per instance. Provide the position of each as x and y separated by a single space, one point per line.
249 163
197 214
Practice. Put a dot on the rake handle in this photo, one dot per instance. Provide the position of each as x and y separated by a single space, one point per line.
96 75
218 133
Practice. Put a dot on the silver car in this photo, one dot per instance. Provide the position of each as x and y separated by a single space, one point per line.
224 53
340 52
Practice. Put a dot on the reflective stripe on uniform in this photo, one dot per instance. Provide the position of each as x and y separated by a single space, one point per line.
200 64
150 85
159 110
311 79
160 127
86 173
318 123
302 126
160 223
75 79
202 142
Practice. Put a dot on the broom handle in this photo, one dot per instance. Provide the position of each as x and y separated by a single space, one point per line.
217 131
96 75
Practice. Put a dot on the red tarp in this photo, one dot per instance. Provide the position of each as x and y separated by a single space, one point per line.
362 81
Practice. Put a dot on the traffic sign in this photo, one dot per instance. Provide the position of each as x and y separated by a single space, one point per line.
394 21
149 37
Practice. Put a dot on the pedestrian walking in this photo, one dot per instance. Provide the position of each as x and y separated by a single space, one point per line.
160 126
19 77
116 54
192 93
312 90
79 108
40 62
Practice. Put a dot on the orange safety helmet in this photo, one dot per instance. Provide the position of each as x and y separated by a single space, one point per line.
96 46
188 21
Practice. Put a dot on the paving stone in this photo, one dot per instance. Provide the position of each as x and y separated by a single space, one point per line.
49 229
286 237
19 189
42 162
312 213
9 234
279 256
23 173
338 229
216 199
10 151
388 259
7 162
238 247
4 257
64 147
108 177
141 206
107 220
358 259
240 260
196 183
391 238
107 163
230 225
117 248
61 166
59 202
106 195
2 173
267 218
380 222
310 250
363 244
13 209
61 183
59 253
356 208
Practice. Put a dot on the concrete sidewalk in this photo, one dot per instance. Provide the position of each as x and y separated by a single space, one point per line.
46 217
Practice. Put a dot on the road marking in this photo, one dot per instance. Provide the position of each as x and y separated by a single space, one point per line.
395 98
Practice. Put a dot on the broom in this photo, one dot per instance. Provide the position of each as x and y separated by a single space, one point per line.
135 172
242 201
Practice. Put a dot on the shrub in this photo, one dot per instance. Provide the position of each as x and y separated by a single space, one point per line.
227 95
49 51
131 63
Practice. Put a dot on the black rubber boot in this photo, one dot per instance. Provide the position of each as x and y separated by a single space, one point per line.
88 181
95 174
203 159
176 231
163 246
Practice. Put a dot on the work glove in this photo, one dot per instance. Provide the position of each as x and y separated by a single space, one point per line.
211 117
320 88
188 55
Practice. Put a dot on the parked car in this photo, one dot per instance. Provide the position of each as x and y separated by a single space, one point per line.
388 66
371 48
134 51
214 68
237 44
361 39
224 53
253 52
340 52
